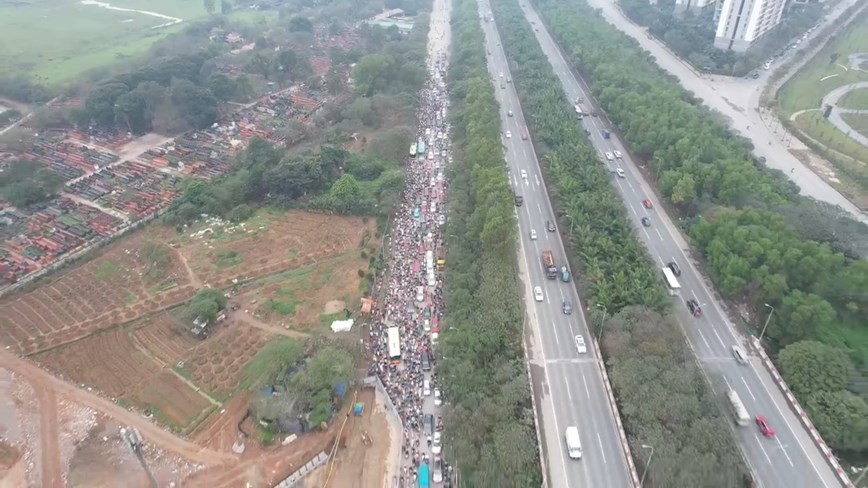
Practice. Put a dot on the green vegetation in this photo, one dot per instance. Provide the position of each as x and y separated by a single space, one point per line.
24 183
690 34
855 99
107 270
157 259
663 397
268 363
229 258
205 305
761 243
315 385
283 302
828 70
488 418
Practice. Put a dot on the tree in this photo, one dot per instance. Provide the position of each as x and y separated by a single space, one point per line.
347 195
210 6
811 367
223 87
131 112
197 105
368 72
260 63
300 24
800 315
100 103
205 305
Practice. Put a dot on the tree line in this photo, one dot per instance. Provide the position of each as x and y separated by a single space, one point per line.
489 428
762 243
662 395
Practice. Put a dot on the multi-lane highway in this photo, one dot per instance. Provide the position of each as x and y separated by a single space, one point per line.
789 459
568 386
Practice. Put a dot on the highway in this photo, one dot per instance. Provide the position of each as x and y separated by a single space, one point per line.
567 386
789 459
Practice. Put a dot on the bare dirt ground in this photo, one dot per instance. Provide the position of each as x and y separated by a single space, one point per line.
359 464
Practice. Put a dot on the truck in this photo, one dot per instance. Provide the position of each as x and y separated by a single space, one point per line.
581 111
441 259
549 265
565 274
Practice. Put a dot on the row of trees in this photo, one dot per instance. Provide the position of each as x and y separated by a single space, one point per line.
329 179
690 34
489 428
772 247
663 397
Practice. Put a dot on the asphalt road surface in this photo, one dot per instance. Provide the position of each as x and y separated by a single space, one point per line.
568 385
789 459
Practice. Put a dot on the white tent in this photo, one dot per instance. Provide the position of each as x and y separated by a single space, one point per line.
342 325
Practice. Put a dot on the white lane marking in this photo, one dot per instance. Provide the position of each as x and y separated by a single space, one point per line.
749 392
722 344
702 336
587 390
569 393
602 450
784 450
658 233
760 442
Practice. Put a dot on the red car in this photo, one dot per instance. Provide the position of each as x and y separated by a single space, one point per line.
647 203
764 426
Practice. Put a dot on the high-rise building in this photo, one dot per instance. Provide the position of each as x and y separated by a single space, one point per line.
692 4
741 22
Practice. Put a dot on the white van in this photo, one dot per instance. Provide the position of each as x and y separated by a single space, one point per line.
574 444
420 293
426 388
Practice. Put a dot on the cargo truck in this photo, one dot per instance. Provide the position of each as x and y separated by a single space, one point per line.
549 265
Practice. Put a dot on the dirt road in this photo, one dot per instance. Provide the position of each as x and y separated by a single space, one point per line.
52 470
43 381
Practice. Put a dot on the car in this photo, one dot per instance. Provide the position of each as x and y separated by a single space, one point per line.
508 135
509 113
420 293
593 114
441 219
538 293
502 86
610 156
755 75
620 173
764 426
523 174
675 269
618 154
568 307
739 354
523 135
550 226
509 80
501 74
426 388
694 308
646 221
437 443
580 345
647 203
533 234
438 400
519 200
437 474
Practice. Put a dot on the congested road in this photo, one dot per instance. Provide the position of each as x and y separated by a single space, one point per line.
787 459
568 386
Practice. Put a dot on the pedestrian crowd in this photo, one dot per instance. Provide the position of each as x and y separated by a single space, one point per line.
413 300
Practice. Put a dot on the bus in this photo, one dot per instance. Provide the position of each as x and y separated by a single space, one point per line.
424 475
420 146
741 416
413 149
671 281
394 337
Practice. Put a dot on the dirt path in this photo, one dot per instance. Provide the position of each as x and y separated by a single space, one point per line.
249 319
52 469
151 432
194 280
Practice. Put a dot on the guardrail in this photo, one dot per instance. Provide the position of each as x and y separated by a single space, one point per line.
803 416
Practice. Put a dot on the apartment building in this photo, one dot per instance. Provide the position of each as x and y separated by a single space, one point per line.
741 22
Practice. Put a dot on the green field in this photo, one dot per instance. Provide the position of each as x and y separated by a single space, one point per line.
58 40
828 70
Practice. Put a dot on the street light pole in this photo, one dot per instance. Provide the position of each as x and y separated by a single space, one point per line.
647 465
605 312
768 319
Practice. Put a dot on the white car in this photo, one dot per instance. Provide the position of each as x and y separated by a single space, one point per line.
508 135
426 388
537 293
441 219
618 154
438 400
509 113
533 234
420 293
610 156
580 345
620 173
523 174
436 443
501 75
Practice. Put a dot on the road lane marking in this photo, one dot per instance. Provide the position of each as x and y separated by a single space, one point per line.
749 392
602 450
722 344
587 390
702 336
760 442
784 450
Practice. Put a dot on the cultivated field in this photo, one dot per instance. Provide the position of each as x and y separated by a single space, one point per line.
113 324
132 277
56 40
